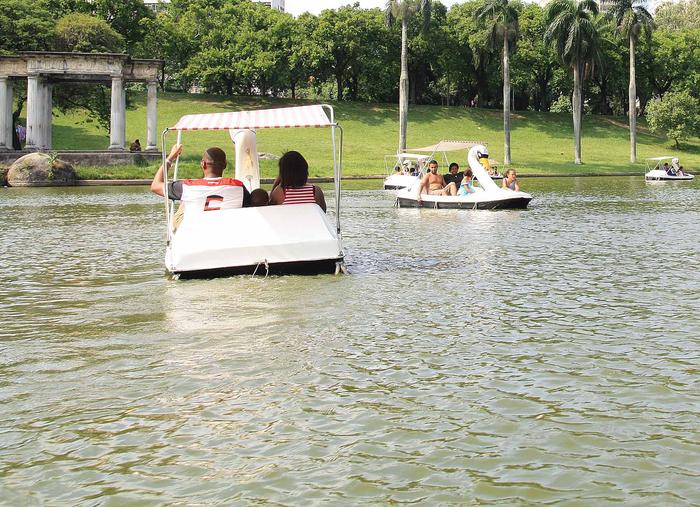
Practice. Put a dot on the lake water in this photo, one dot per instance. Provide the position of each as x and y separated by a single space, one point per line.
546 356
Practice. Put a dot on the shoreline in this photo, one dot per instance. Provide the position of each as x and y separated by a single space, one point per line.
268 181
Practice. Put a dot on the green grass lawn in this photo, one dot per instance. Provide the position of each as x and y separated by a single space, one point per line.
542 143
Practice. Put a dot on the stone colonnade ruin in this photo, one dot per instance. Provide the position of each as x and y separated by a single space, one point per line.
44 70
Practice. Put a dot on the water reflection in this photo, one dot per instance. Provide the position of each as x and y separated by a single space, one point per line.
509 357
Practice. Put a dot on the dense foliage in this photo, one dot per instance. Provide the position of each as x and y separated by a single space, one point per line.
240 47
677 116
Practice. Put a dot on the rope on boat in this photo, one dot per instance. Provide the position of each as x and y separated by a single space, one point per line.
340 267
267 268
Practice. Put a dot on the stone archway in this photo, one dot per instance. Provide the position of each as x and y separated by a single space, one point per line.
43 70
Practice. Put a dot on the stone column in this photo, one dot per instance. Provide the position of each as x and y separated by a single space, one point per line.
5 113
33 106
40 140
48 115
152 117
117 130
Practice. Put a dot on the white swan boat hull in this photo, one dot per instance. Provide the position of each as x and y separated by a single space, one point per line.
661 175
286 239
492 199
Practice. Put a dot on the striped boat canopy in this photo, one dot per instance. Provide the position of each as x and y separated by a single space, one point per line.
285 117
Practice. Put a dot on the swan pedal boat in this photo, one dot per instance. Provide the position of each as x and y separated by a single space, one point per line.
397 180
488 196
281 239
657 173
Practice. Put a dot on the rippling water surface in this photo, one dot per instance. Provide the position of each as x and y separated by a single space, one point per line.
547 356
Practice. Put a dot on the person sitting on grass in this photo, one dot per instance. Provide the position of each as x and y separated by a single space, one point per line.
510 181
292 185
467 185
259 197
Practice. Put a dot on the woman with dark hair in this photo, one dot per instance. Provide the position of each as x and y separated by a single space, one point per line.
291 186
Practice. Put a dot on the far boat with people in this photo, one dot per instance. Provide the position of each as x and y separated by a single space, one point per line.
227 227
475 191
407 167
659 169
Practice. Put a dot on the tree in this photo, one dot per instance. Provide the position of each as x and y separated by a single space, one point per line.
572 33
675 61
534 63
631 18
24 27
678 16
124 16
472 47
78 32
83 33
404 10
502 19
677 116
339 34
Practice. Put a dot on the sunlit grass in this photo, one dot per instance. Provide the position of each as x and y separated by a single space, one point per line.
542 143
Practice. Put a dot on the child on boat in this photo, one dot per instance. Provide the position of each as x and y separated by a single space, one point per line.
467 185
510 181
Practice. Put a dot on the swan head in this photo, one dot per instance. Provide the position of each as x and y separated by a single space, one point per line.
481 154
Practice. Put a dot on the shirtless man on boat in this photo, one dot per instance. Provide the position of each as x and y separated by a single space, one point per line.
434 183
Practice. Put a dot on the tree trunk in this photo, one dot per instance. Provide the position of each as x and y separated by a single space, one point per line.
339 84
403 86
576 108
633 104
506 101
448 92
294 89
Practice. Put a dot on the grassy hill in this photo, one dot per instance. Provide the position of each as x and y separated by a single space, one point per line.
542 143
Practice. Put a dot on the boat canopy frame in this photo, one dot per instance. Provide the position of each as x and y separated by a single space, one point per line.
444 146
313 116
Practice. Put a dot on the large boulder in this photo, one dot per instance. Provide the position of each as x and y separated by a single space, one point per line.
40 170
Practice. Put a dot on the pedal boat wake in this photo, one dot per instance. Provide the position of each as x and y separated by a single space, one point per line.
487 196
281 239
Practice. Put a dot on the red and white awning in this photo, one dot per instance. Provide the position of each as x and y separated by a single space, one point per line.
285 117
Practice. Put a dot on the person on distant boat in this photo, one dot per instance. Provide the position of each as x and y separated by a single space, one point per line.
510 181
292 185
466 187
680 172
667 169
259 197
454 176
434 183
211 193
675 168
135 146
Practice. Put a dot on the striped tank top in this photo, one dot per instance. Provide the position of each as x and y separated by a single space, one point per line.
300 195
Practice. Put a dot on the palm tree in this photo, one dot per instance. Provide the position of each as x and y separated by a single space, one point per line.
404 10
502 19
572 33
632 18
